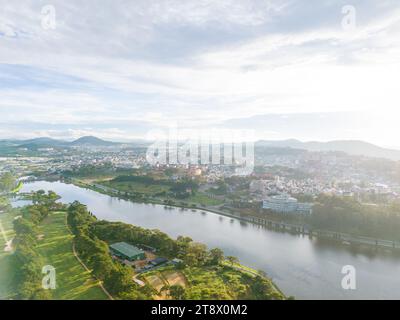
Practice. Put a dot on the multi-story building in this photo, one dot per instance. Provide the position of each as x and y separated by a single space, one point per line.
285 204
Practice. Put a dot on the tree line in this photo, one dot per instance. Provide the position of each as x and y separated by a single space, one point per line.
117 278
347 215
181 189
27 261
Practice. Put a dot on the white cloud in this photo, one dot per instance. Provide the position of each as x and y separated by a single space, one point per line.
123 57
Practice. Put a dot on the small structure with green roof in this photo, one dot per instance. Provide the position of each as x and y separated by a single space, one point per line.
126 251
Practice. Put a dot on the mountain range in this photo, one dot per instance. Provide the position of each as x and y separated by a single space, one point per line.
89 141
352 147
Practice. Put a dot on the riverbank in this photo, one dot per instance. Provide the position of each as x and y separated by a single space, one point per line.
207 277
281 226
302 266
204 269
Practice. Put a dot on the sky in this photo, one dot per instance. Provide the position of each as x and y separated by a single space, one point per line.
310 69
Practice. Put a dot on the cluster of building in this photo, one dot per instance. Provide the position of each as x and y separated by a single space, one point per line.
57 161
283 174
140 259
316 186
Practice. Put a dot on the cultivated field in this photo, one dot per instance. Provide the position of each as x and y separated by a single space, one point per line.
160 279
175 278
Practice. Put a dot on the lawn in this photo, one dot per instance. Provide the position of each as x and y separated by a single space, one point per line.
133 186
174 278
203 200
73 282
7 289
200 199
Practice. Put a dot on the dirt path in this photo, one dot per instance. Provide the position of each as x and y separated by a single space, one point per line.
87 269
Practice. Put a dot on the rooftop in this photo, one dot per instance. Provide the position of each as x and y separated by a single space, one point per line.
126 249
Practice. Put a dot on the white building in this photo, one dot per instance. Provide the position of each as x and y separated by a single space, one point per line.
285 204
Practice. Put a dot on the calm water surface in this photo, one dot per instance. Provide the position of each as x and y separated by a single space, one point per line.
303 267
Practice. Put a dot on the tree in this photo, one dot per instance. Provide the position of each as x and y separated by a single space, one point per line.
102 265
262 289
24 227
4 203
134 295
216 256
177 292
190 259
262 273
7 182
120 280
196 254
165 288
183 243
42 294
232 260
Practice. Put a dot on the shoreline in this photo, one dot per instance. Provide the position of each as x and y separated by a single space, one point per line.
346 240
238 266
291 287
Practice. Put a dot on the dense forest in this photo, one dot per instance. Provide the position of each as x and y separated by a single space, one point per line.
347 215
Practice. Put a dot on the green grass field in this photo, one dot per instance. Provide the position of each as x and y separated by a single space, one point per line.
200 199
7 289
203 200
148 189
73 282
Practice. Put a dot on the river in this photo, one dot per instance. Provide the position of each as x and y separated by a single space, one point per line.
302 267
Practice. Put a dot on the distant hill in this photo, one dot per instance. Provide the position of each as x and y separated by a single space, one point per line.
92 141
42 142
34 144
353 147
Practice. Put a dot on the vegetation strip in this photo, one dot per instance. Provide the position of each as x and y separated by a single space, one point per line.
88 270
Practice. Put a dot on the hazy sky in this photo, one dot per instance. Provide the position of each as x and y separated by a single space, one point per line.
284 68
